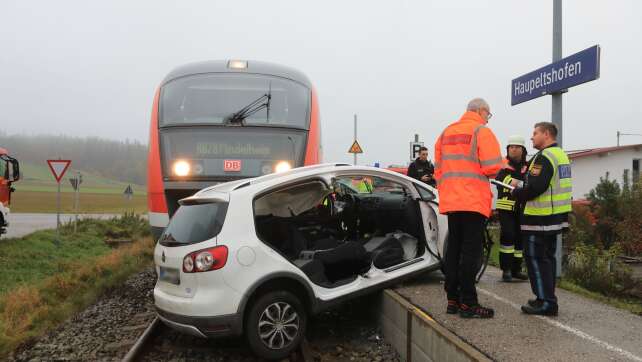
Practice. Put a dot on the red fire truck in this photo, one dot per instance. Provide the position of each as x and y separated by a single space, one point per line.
9 173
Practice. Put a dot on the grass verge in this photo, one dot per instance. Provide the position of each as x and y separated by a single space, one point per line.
90 203
47 284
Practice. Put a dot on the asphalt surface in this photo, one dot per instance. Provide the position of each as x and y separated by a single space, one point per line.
22 224
585 330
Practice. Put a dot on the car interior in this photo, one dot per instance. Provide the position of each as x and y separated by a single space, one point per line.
335 232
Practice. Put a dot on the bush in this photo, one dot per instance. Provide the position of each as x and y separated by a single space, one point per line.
613 217
600 270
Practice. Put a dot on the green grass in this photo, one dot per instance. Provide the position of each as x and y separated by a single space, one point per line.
43 284
632 305
90 203
39 178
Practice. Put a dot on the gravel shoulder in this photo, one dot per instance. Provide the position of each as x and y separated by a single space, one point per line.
106 330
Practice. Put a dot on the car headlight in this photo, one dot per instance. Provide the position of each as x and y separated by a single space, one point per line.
282 166
181 168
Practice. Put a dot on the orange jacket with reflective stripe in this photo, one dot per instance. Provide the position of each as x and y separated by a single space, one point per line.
467 155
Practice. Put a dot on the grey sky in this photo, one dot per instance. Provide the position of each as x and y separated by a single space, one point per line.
91 68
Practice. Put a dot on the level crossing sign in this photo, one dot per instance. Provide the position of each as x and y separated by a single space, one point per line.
58 168
355 148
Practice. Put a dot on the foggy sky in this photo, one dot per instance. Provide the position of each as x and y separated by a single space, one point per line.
86 68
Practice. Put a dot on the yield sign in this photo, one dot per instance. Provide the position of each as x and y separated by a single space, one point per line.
58 168
355 148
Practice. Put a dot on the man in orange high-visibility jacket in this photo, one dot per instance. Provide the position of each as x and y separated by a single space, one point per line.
467 155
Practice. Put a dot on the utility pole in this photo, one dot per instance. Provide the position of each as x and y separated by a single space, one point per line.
355 138
625 134
556 109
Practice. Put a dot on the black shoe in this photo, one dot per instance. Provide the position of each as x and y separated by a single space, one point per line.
534 302
475 311
506 276
540 308
519 275
453 307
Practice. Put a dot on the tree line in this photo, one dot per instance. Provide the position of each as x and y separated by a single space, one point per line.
119 160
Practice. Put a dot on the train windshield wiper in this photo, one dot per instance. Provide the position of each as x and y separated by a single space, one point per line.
257 105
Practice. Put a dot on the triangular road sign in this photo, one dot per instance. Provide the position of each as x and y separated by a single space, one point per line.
355 148
58 168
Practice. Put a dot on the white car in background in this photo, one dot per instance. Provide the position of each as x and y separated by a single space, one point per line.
257 257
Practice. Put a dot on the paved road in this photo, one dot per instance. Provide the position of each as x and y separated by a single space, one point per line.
584 331
22 224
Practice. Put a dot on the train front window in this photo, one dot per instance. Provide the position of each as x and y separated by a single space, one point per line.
211 98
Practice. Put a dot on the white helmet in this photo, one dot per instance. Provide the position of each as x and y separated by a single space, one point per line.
516 140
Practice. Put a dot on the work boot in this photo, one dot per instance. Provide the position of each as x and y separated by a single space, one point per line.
517 269
541 308
453 307
475 311
533 302
519 275
507 276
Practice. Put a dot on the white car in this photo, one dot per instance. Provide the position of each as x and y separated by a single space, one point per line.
257 257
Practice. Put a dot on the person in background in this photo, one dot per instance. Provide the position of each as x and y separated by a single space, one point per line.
422 169
510 247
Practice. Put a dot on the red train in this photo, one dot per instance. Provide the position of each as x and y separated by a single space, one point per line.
223 120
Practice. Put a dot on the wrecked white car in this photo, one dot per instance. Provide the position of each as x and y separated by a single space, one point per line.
256 257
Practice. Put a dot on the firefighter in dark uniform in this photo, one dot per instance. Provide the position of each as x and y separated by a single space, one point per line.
422 169
510 248
547 194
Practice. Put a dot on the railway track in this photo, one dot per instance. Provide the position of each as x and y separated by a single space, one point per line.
151 339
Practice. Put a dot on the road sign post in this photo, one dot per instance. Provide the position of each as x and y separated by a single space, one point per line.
555 79
58 169
355 148
75 183
556 110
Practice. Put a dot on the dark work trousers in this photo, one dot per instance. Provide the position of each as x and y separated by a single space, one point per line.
510 238
463 255
539 251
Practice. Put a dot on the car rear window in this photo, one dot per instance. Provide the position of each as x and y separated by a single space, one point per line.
194 223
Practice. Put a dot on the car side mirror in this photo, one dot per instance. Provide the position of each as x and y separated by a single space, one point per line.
13 170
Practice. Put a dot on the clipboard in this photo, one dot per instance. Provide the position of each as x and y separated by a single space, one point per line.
501 184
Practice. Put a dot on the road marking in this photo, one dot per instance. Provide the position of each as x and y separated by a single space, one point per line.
569 329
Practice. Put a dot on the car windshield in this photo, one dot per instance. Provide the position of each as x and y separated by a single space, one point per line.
212 98
194 223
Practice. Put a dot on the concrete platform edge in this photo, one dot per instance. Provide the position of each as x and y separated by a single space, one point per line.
429 341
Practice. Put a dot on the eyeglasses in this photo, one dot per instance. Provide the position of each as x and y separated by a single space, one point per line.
490 115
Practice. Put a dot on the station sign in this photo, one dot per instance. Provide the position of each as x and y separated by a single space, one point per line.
557 77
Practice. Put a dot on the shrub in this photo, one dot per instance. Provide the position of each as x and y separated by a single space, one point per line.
600 270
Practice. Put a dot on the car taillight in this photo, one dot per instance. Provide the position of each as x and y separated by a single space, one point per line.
205 260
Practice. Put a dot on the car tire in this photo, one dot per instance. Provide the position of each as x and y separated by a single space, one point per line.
275 325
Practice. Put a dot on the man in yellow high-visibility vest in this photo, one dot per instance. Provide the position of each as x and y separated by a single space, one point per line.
547 194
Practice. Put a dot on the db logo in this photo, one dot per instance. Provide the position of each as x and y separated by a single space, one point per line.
232 165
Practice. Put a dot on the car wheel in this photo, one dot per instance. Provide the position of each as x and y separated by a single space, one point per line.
276 325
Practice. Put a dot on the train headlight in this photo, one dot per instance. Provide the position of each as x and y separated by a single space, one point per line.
282 166
181 168
237 64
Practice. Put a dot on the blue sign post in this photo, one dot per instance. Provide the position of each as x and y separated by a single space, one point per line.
557 77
